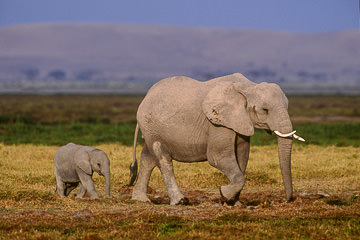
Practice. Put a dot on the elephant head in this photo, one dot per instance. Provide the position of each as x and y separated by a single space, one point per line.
243 105
95 160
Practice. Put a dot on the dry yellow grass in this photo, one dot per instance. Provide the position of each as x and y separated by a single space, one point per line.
28 168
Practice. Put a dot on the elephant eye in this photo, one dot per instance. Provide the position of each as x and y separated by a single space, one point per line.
266 110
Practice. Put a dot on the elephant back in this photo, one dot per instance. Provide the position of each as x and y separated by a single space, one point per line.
169 97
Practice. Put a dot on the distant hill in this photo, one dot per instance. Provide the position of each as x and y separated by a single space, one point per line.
130 58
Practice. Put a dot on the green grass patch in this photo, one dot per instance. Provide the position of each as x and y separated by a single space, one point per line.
338 134
60 134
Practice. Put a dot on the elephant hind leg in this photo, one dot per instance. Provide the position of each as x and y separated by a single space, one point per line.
60 187
167 171
147 164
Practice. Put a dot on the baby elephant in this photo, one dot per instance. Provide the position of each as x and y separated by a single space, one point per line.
76 163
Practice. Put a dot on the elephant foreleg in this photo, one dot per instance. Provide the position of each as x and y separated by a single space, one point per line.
88 184
82 191
230 193
221 155
242 151
147 164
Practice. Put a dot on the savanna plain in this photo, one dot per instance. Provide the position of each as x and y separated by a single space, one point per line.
326 176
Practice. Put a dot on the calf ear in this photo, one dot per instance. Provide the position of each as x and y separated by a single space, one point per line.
82 160
225 105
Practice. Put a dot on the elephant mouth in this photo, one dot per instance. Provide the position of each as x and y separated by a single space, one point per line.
261 125
291 134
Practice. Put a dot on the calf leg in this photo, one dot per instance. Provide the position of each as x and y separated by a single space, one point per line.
60 187
82 191
69 187
88 184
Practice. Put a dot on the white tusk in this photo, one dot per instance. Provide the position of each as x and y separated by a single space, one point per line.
298 138
289 135
284 135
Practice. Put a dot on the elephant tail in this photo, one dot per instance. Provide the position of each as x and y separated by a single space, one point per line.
133 166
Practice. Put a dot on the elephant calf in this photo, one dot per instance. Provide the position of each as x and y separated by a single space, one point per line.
76 163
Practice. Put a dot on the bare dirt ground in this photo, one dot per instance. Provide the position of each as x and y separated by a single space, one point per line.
264 214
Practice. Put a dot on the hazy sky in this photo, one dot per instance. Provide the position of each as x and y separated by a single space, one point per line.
284 15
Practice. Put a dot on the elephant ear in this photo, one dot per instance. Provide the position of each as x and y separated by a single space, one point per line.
82 160
225 105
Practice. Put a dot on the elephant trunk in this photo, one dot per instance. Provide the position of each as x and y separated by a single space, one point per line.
284 149
107 183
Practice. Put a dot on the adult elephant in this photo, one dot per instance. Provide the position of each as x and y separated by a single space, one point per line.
190 121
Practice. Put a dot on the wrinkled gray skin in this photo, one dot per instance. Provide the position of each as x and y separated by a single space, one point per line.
76 164
190 121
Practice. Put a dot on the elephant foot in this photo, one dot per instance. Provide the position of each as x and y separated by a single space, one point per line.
179 201
93 195
227 194
79 195
239 204
140 196
291 199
